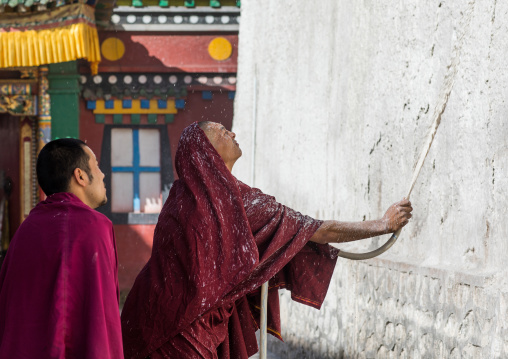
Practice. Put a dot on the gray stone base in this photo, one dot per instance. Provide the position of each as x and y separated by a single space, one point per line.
383 309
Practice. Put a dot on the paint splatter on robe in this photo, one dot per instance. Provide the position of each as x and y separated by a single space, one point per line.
59 285
217 240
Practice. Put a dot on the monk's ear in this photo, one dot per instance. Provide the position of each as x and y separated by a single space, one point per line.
80 176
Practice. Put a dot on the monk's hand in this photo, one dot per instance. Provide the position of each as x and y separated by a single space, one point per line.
397 216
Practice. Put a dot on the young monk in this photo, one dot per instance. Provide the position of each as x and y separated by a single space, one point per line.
217 240
58 283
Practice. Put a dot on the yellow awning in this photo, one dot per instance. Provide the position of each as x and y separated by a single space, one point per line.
64 34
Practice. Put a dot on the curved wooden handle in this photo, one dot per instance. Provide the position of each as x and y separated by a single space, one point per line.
374 253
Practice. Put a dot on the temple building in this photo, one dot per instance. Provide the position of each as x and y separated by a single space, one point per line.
126 78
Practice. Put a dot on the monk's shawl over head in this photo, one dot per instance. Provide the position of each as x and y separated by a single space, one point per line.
216 240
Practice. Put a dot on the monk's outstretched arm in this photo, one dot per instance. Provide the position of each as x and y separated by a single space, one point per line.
396 217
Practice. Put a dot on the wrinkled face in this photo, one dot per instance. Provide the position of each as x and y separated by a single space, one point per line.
96 189
224 143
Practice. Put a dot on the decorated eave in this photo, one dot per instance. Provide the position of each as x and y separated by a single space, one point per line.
175 19
151 94
24 6
151 85
60 34
103 8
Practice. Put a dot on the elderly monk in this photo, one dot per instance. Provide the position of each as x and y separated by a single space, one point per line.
217 240
58 284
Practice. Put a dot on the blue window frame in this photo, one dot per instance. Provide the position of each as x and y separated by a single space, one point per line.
143 174
136 169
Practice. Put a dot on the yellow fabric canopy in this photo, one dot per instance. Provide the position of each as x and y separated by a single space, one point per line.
64 34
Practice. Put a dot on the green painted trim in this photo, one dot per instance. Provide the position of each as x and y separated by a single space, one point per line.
169 118
68 67
214 3
100 118
135 119
64 91
118 119
189 3
152 118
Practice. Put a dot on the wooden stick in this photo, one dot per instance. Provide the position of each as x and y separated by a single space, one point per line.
264 304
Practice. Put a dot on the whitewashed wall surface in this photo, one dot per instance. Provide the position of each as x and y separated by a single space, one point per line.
334 102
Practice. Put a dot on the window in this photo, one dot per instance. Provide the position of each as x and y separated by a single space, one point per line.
135 170
139 172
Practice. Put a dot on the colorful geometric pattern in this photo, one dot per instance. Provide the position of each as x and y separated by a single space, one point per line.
45 101
135 108
112 107
44 108
23 88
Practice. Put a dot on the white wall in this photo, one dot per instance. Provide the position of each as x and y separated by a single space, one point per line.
341 95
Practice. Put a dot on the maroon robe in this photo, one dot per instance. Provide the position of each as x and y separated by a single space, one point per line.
217 240
59 285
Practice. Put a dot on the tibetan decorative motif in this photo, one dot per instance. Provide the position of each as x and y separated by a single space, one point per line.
23 88
23 6
44 109
150 85
29 72
127 18
203 4
63 34
19 105
112 107
28 191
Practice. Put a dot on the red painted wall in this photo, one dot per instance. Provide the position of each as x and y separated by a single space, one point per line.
152 52
89 131
134 246
9 162
134 242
